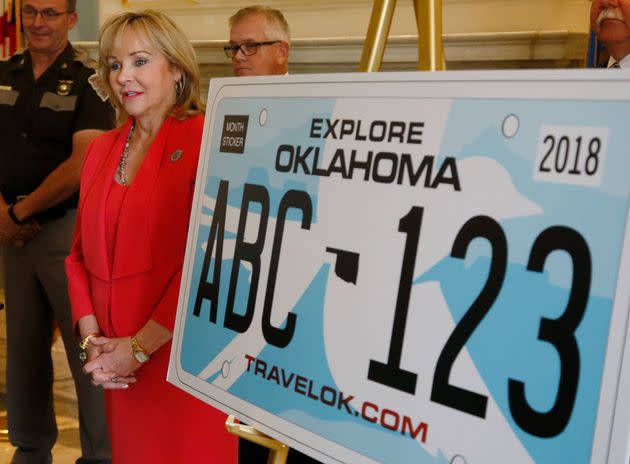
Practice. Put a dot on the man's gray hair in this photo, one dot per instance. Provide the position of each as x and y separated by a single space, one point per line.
72 5
276 28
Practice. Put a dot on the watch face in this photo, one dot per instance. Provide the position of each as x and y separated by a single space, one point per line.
138 353
140 356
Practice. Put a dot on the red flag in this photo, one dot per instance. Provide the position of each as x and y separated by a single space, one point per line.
10 27
3 29
2 20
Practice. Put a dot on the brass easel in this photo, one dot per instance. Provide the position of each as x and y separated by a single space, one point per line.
429 22
278 451
430 58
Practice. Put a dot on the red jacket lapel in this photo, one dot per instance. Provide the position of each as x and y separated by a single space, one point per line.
98 172
132 254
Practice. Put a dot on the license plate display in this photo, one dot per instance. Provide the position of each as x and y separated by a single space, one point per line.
414 268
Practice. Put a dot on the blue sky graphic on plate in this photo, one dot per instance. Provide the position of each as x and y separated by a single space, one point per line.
541 295
338 425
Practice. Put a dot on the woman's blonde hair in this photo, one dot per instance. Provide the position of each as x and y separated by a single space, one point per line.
160 32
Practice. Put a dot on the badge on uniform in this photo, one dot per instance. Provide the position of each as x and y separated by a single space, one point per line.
64 87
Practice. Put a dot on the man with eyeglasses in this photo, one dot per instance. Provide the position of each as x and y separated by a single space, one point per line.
610 20
259 42
50 111
259 46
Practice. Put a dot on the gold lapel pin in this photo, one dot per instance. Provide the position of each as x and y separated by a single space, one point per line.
176 155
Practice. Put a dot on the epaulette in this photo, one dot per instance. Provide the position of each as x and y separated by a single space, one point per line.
16 56
16 60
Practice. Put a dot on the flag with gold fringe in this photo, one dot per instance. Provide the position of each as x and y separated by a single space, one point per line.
10 27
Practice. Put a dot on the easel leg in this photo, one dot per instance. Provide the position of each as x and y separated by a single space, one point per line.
376 38
429 21
278 456
278 451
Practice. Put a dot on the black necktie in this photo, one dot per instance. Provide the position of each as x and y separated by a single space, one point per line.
615 65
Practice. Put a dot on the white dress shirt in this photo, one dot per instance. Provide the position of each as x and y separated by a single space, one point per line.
623 64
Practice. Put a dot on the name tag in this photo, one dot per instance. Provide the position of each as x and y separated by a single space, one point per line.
58 102
8 97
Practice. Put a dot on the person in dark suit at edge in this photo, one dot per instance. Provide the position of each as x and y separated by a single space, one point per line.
610 20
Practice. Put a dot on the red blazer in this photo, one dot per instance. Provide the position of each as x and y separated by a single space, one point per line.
142 279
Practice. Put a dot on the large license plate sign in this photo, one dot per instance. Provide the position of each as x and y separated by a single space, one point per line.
414 268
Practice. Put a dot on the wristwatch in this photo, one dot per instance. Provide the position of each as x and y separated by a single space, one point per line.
138 352
14 217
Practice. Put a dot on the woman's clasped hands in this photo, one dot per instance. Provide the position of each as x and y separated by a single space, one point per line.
111 363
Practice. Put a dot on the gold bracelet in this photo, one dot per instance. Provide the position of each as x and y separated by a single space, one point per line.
85 341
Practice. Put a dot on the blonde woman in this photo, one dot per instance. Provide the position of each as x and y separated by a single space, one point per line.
125 266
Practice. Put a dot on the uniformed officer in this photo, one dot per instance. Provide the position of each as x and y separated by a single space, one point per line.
49 113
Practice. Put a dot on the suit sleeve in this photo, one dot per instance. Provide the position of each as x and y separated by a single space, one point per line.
165 311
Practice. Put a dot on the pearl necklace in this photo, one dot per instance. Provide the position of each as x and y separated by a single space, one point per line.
122 164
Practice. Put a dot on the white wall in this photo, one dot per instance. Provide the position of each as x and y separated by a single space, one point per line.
87 27
328 34
207 19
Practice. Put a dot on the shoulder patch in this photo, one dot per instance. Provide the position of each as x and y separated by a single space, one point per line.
82 56
98 86
16 61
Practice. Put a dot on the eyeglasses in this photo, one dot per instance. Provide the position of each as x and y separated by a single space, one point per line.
48 14
248 48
